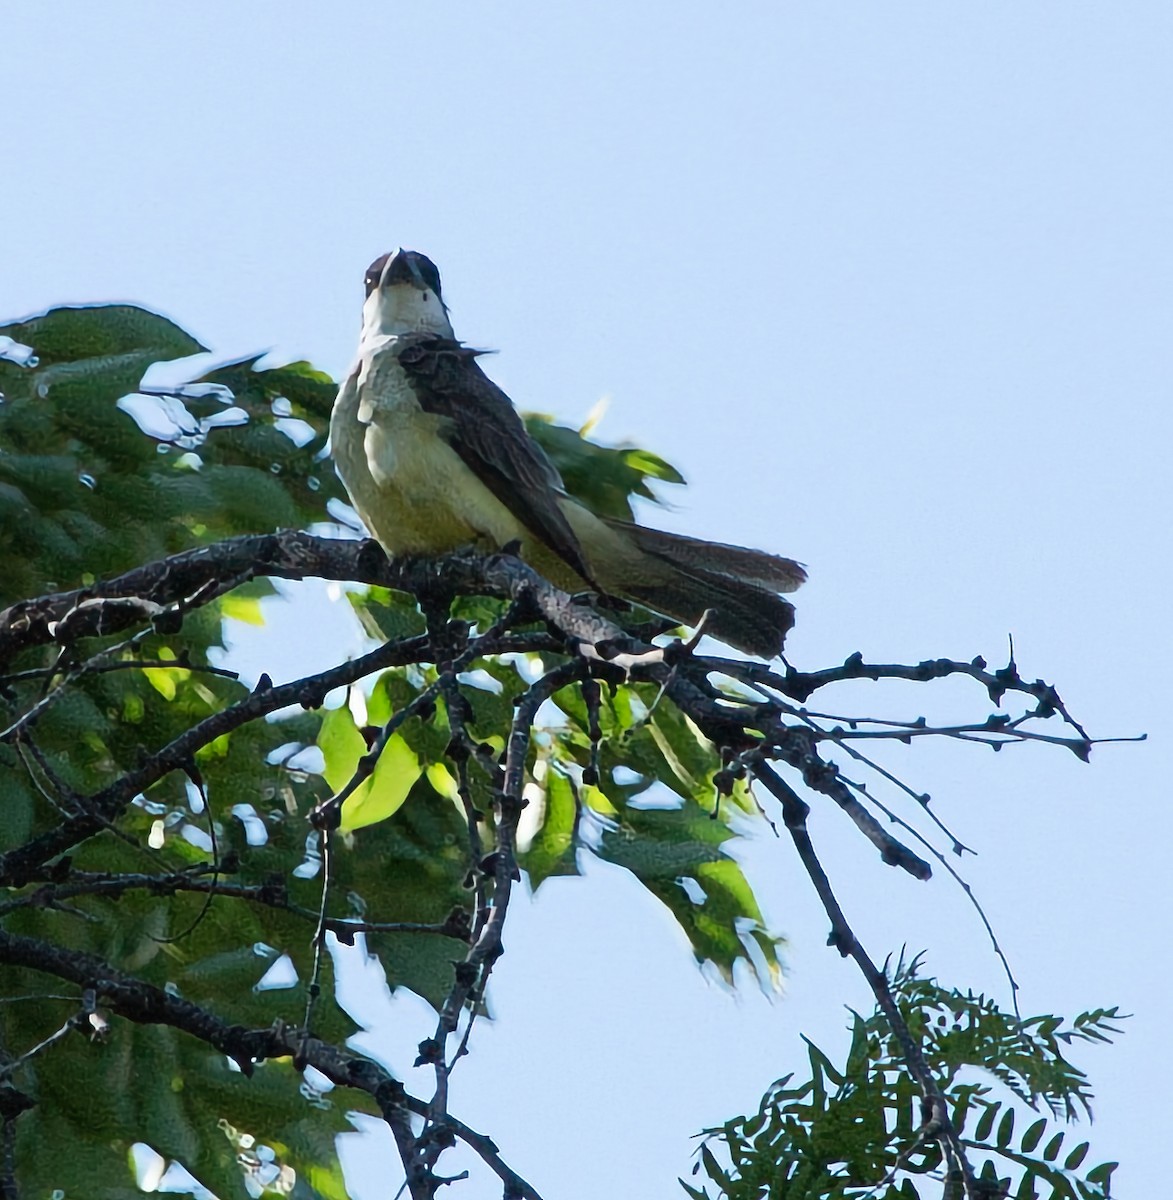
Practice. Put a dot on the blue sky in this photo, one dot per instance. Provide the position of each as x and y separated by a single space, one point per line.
890 283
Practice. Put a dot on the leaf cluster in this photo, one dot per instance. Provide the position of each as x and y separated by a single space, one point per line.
207 884
857 1130
182 855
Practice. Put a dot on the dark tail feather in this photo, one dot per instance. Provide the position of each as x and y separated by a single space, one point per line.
770 572
737 584
753 620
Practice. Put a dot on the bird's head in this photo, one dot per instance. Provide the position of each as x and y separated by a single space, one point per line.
403 296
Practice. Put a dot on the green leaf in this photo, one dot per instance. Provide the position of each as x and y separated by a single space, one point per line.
1076 1157
1102 1174
846 1127
986 1122
552 850
713 1168
382 795
341 745
602 477
652 466
387 615
69 334
156 1085
1030 1139
395 773
661 848
412 867
163 680
243 608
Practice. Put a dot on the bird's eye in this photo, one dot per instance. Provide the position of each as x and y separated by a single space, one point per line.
375 273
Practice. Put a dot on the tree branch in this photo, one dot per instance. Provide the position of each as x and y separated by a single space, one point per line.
763 733
141 1002
136 597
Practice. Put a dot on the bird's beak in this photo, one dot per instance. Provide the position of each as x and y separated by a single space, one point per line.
401 268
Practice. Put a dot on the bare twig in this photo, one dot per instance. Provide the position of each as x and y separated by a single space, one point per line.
472 974
935 1110
125 664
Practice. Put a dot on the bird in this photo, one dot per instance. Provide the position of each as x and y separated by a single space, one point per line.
436 459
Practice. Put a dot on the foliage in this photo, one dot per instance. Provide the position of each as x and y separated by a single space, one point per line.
182 854
211 876
855 1131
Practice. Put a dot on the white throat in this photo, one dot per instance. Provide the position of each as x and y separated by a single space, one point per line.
400 308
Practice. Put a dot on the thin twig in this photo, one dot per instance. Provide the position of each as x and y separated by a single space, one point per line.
8 1069
935 1110
472 974
126 664
319 939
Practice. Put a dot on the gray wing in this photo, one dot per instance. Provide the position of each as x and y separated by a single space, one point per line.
483 427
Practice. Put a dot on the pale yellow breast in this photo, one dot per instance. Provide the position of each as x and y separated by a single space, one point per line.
413 491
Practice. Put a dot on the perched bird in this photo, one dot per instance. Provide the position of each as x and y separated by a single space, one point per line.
435 458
